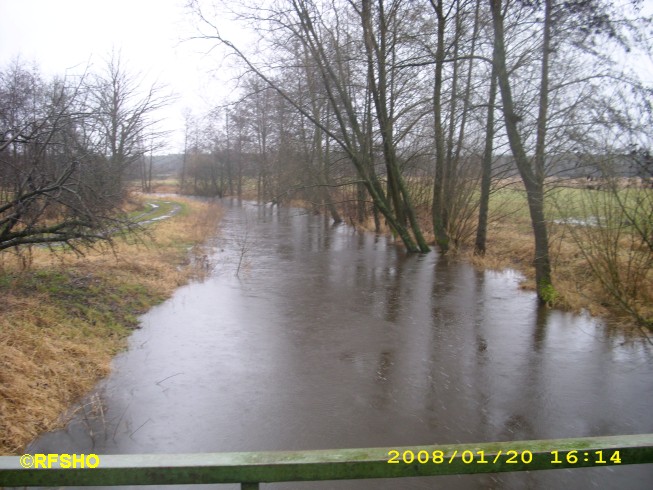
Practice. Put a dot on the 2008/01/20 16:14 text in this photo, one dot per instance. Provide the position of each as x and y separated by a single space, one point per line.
511 457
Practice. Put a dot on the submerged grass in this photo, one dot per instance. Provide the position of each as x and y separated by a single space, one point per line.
63 316
599 264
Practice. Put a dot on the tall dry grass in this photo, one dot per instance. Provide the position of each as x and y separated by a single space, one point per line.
63 316
578 287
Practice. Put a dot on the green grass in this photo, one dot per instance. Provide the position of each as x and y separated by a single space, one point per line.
94 297
623 208
565 203
148 212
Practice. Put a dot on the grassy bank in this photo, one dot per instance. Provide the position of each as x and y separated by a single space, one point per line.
63 317
600 263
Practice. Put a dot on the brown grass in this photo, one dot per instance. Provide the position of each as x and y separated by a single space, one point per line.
63 317
510 245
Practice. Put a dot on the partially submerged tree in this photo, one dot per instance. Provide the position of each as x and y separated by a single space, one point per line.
408 92
530 169
547 102
332 45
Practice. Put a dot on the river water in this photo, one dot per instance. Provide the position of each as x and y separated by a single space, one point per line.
329 338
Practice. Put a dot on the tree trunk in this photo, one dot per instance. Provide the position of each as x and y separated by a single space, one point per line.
486 176
532 178
437 209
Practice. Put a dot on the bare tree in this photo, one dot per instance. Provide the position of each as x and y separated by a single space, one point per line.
554 116
125 109
612 227
49 194
486 173
61 180
306 24
531 170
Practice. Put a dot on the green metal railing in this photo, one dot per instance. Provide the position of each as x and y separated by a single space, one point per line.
250 469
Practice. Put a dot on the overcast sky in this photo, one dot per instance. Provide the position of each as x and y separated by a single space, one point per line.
62 35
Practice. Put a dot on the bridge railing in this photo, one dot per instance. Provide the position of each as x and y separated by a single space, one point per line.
251 468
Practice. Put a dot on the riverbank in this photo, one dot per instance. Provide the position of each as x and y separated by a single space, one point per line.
63 317
603 270
326 335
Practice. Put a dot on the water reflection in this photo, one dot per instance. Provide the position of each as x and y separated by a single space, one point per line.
330 338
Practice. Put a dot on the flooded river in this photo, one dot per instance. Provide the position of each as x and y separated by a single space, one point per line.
329 338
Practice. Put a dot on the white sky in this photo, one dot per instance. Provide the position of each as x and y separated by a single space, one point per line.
62 35
70 34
